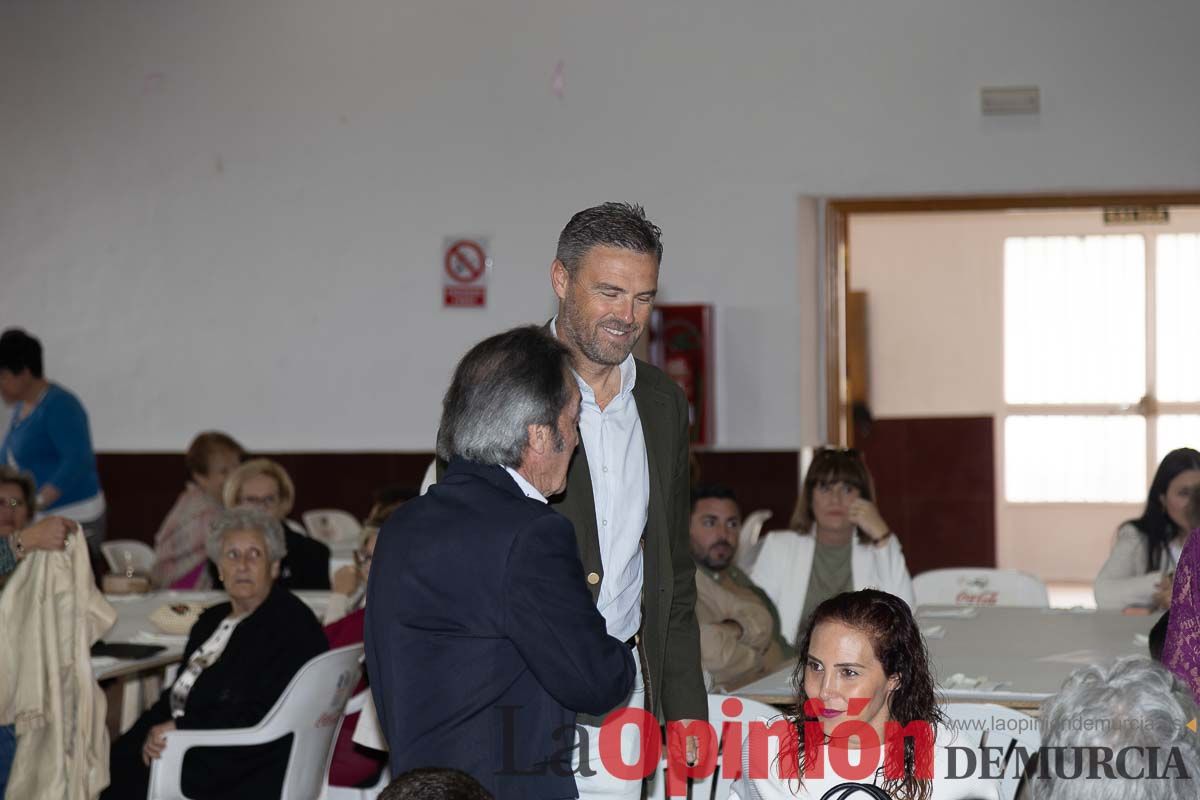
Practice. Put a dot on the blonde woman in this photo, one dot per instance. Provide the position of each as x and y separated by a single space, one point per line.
264 485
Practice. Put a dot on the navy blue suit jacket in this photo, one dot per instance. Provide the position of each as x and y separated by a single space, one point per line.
482 639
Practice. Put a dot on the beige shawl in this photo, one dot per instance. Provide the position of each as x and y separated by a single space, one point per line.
50 615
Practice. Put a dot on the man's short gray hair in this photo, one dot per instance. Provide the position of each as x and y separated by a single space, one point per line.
503 385
246 519
1131 703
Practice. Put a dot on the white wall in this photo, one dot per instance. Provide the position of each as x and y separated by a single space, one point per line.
229 213
935 294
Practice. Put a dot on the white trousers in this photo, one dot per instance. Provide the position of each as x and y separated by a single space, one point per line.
603 784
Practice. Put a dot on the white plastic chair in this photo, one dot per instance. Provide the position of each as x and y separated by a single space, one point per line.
983 724
971 586
310 709
124 555
355 704
332 526
750 537
715 786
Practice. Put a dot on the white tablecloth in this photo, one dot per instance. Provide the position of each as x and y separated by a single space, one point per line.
134 626
1028 651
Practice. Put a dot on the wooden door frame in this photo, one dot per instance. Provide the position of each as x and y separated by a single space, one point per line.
837 261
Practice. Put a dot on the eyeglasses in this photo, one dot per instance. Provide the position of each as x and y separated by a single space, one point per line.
251 555
12 502
266 501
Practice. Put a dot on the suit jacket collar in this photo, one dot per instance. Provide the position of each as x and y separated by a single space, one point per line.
492 473
579 503
653 404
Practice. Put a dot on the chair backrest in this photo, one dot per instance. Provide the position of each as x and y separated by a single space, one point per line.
716 786
355 705
750 536
128 554
986 725
970 586
311 708
332 526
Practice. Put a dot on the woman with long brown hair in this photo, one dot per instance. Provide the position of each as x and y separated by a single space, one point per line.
863 677
838 542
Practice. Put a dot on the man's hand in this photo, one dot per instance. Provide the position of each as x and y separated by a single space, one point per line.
735 628
156 741
680 748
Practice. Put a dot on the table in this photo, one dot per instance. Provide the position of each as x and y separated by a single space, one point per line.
136 683
1029 651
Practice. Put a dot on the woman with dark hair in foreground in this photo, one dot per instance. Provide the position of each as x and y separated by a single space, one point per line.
863 665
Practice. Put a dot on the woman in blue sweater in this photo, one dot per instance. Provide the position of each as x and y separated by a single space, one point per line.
49 437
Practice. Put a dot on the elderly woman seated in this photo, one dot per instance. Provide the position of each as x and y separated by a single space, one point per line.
238 659
265 485
1131 713
179 545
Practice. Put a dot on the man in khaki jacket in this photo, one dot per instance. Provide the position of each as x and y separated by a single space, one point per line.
740 639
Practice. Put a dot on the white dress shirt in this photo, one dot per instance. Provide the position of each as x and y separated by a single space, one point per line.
616 457
525 486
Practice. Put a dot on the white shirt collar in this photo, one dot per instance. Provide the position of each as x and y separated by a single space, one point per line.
628 371
525 485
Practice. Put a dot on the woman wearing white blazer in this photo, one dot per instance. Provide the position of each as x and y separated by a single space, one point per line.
845 546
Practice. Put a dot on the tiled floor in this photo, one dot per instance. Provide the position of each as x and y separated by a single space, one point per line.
1069 595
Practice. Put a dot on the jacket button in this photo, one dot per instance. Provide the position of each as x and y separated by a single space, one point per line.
593 578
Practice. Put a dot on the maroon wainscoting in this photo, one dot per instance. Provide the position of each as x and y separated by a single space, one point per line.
760 479
935 479
142 487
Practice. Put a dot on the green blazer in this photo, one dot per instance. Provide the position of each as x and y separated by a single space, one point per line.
670 637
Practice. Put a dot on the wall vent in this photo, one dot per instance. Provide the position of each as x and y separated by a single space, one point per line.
1006 100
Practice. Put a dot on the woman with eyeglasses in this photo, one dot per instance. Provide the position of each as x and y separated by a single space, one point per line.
264 485
838 542
350 582
17 539
345 616
238 659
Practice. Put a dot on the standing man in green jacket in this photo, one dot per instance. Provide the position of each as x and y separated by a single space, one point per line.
628 489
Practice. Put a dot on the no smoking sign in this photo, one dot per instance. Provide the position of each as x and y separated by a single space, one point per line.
465 267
